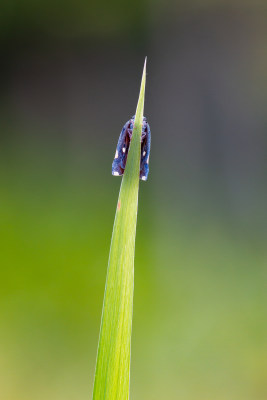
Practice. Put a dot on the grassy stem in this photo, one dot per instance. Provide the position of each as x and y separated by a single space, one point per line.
112 375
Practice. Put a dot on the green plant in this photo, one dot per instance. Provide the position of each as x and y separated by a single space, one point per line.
112 375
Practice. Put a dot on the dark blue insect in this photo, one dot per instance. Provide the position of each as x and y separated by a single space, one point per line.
119 163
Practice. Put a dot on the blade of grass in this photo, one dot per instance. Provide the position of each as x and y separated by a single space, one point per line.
112 375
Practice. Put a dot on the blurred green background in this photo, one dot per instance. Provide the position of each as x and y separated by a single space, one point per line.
70 76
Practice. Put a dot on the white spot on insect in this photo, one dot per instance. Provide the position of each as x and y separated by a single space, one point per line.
116 173
143 178
124 149
147 159
144 153
116 154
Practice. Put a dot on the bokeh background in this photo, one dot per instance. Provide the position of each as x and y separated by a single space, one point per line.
70 76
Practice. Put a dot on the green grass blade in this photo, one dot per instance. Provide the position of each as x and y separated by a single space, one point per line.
112 375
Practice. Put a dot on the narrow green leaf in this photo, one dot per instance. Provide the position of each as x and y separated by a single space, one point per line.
112 375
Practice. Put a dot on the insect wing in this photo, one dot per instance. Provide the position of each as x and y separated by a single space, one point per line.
119 161
145 152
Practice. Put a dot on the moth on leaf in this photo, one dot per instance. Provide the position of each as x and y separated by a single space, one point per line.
120 159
